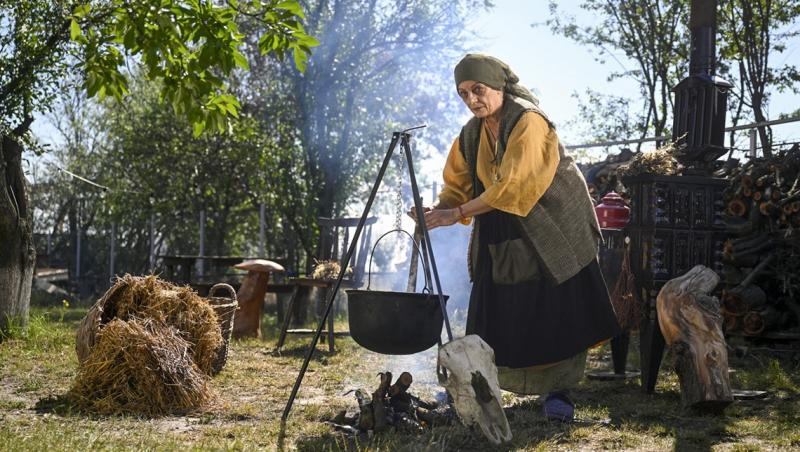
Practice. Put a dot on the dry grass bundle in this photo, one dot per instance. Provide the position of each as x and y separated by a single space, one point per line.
140 366
149 297
660 162
329 270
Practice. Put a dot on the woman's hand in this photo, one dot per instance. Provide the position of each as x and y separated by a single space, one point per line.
412 212
440 217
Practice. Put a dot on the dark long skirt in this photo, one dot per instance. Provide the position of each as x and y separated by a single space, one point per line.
536 322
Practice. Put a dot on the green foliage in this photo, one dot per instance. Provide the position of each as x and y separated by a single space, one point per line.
151 164
32 57
604 117
382 66
192 48
753 35
647 40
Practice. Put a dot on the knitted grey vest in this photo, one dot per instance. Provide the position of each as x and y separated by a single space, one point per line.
561 229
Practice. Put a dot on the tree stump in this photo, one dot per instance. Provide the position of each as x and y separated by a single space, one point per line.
247 322
691 323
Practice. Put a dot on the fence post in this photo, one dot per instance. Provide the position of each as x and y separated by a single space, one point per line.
200 263
262 230
112 252
152 260
78 251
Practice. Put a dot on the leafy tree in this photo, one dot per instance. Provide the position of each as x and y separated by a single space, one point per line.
604 117
190 46
753 33
382 66
652 36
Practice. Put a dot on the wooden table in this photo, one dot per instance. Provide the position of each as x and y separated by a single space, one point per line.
180 269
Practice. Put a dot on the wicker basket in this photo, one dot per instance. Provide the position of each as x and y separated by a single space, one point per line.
225 307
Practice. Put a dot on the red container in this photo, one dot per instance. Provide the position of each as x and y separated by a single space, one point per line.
612 213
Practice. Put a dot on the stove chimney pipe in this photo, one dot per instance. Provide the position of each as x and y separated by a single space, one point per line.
703 25
701 98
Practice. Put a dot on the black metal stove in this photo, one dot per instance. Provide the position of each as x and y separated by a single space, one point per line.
676 221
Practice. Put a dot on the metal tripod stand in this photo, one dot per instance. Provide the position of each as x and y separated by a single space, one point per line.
403 139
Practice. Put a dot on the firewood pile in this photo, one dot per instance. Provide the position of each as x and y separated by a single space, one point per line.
392 407
601 177
761 272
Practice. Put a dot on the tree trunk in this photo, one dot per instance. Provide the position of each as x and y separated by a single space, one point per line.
17 253
692 326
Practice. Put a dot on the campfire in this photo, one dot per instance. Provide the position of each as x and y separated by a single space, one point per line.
392 407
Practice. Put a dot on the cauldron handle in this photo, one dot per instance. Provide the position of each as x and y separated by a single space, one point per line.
427 287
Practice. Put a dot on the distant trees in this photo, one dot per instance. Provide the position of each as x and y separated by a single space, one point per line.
305 144
753 34
191 47
381 65
650 40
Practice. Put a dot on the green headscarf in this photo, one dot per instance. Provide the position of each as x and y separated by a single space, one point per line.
491 72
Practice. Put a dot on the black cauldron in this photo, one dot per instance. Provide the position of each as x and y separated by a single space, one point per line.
394 323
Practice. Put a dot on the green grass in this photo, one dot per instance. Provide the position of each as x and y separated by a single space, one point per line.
38 366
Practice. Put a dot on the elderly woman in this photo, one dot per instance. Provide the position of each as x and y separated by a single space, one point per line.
538 297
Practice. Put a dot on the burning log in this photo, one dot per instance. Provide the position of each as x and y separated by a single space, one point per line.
401 384
391 406
366 419
379 401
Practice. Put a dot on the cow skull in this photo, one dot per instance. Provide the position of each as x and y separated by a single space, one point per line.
468 372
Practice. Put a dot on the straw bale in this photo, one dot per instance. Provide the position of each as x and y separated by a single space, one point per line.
141 366
660 162
329 269
149 297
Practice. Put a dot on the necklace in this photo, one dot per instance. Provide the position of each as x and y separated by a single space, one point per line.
495 161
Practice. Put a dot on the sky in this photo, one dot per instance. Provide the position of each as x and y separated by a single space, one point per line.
554 67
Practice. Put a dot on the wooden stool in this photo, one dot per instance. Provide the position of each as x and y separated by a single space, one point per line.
335 238
308 284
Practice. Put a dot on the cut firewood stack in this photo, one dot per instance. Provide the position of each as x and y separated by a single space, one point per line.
392 407
601 177
761 272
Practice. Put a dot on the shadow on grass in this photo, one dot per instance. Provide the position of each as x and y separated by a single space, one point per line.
299 350
450 438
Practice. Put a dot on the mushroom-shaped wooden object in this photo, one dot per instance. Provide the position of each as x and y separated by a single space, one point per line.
247 322
691 322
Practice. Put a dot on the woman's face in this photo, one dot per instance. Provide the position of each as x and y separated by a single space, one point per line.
482 100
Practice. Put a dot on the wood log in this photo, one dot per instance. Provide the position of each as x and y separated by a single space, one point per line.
748 241
734 305
730 321
737 225
737 208
756 322
743 298
732 276
775 194
691 323
366 418
401 384
379 401
758 270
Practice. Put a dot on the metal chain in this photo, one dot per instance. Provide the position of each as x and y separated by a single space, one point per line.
398 220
